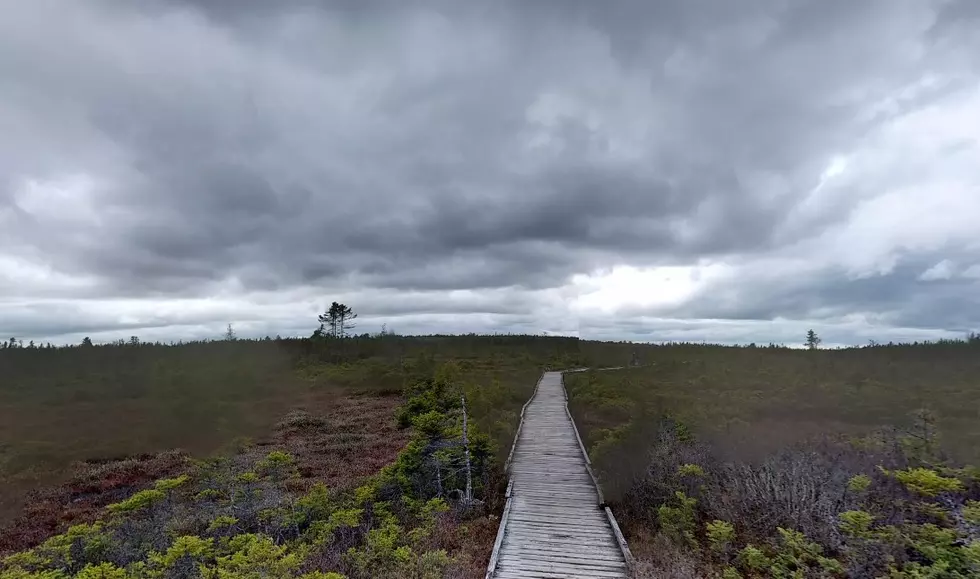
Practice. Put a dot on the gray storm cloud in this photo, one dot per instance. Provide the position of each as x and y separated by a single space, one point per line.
396 153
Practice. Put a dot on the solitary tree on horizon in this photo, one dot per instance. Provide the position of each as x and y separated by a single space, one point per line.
812 340
336 321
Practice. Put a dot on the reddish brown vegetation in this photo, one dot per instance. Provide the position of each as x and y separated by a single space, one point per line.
94 485
337 440
469 542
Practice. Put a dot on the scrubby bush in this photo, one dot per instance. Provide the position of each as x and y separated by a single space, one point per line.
829 508
678 518
859 483
720 535
926 482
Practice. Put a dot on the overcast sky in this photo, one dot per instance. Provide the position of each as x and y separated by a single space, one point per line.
696 169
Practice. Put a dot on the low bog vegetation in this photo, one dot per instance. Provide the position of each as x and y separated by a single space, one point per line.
105 402
300 503
757 462
253 515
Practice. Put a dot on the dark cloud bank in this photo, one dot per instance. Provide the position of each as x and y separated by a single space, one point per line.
169 166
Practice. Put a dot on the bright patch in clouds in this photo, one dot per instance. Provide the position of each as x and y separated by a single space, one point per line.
625 286
836 167
942 270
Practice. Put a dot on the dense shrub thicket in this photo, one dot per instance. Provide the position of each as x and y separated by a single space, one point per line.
872 506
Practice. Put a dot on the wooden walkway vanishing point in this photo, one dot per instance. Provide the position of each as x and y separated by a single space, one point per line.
554 525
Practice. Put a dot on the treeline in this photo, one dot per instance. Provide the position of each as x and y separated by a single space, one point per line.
230 365
812 342
328 332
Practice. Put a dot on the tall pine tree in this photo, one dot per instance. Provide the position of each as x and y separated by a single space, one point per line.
335 321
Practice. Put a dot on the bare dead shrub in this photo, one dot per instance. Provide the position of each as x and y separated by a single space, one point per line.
802 487
795 489
660 480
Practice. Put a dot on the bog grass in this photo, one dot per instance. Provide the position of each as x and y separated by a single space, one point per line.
755 400
63 405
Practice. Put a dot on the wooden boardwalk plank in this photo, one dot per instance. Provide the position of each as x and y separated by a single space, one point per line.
555 526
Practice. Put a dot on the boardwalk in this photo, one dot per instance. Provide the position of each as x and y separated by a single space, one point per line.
553 526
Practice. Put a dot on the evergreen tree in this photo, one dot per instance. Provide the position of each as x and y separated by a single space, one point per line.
347 317
812 340
330 321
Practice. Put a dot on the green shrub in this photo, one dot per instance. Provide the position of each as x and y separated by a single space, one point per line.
365 493
188 550
856 524
430 565
795 550
720 535
316 504
971 512
209 495
277 465
139 501
926 481
323 530
859 483
941 553
18 573
78 546
690 470
930 511
431 423
428 395
972 554
222 522
608 439
678 521
383 552
754 559
169 484
257 557
388 553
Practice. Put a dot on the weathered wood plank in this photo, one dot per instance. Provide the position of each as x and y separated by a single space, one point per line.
555 525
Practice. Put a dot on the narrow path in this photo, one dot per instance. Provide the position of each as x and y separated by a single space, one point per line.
553 526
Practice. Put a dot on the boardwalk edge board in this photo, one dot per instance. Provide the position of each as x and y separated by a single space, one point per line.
501 529
517 435
623 545
607 513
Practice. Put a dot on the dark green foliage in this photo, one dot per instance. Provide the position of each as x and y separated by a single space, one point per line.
433 464
812 340
336 322
428 396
